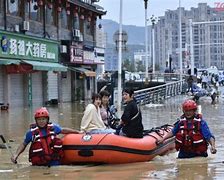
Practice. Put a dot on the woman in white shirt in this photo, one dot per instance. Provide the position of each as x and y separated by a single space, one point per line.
92 122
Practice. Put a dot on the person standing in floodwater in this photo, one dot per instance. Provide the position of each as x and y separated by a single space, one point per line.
192 133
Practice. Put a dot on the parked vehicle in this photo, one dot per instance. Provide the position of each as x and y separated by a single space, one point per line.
213 70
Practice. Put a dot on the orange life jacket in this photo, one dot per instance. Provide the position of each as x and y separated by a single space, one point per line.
44 149
189 138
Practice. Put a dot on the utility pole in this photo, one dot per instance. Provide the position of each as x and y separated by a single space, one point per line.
146 44
191 47
153 19
180 42
119 93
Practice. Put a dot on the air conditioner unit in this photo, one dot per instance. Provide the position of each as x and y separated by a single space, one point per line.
76 33
26 25
81 38
16 28
63 48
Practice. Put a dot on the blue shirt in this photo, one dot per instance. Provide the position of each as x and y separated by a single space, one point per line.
204 130
28 136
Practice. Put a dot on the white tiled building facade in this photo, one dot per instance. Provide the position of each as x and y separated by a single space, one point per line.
208 39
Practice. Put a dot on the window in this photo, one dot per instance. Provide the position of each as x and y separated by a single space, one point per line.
51 15
76 22
1 6
87 27
12 8
63 18
81 23
35 11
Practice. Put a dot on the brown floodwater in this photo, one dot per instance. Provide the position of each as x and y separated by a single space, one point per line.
15 122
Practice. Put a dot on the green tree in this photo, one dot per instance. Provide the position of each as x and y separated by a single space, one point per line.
140 66
128 65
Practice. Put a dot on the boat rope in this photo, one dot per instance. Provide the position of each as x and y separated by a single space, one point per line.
103 138
158 130
153 137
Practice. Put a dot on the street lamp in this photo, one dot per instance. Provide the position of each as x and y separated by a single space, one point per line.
146 44
153 20
191 46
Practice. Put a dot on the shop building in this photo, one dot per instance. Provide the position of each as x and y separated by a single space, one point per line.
47 51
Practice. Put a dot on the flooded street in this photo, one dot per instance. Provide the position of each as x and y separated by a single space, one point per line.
14 124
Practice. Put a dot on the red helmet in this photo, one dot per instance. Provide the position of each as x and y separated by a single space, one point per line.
42 112
189 105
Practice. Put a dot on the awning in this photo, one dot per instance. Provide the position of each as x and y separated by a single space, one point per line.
46 66
9 61
83 70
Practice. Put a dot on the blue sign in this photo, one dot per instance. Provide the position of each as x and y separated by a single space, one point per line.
4 43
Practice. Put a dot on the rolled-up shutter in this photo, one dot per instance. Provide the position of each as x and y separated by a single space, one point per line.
52 85
37 89
17 90
66 88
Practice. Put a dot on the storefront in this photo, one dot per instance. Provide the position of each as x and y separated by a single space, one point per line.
29 70
82 72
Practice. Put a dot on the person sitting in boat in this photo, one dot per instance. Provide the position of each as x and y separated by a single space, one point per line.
46 147
192 133
104 107
131 119
92 122
107 112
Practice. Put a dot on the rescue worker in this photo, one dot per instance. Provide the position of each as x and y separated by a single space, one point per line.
46 147
192 133
131 119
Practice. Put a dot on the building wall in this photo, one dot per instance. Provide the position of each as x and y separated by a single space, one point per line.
56 31
167 41
1 86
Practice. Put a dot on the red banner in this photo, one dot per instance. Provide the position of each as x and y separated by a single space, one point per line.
19 69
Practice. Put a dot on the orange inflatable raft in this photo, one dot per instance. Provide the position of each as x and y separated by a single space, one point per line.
114 149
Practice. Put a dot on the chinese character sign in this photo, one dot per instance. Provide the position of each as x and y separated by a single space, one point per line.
76 54
219 6
19 46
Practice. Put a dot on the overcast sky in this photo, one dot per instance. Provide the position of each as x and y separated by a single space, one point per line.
134 13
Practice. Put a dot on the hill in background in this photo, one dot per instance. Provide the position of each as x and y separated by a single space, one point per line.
136 34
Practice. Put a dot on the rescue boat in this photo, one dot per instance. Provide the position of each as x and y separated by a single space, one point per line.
114 149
